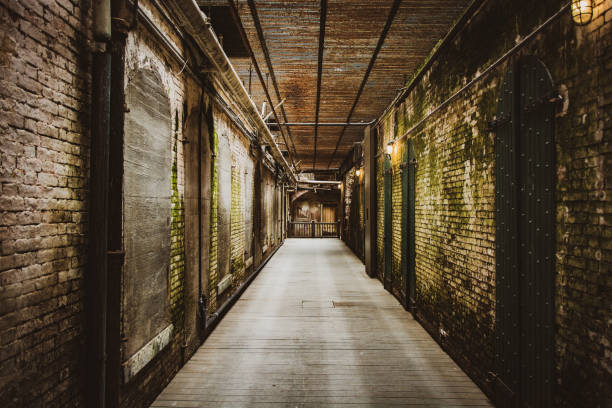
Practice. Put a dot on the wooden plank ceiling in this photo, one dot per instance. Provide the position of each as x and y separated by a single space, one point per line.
331 60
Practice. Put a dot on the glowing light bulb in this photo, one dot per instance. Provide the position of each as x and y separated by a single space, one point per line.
357 172
582 11
390 148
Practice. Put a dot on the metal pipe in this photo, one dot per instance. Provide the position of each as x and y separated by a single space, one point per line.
98 220
264 84
116 252
102 20
181 60
484 73
198 26
264 48
470 10
200 220
381 41
328 123
319 182
97 279
314 188
319 75
274 108
142 16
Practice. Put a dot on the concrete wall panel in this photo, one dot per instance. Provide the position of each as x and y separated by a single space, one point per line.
147 182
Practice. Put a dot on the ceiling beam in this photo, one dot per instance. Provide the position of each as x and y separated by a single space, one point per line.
319 70
337 124
381 40
247 44
264 48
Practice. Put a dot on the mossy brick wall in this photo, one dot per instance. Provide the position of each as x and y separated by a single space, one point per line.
44 169
349 183
214 216
241 163
396 278
268 226
385 134
237 224
242 204
455 186
177 242
380 217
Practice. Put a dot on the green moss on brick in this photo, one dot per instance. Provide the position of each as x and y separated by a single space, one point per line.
177 241
214 212
237 224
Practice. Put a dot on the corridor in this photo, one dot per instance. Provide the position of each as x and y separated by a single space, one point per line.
228 203
314 330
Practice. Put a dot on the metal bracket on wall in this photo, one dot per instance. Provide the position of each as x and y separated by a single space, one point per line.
116 257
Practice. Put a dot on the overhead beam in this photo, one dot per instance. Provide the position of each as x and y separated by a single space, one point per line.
264 48
327 124
319 71
247 44
381 40
196 24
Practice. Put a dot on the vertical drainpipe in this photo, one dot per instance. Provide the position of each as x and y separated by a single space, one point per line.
201 295
97 275
116 253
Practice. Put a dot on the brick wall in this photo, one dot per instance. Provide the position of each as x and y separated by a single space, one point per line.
177 242
380 217
268 225
44 172
44 144
455 192
237 222
349 185
396 278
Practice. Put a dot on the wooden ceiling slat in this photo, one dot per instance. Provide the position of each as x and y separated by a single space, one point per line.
291 31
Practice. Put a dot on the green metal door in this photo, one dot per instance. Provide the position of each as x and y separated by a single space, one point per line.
408 234
388 223
525 231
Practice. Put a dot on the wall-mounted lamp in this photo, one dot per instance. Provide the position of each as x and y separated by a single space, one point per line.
357 172
582 11
390 148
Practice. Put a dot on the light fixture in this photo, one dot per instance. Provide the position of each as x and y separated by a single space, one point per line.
390 148
357 172
582 11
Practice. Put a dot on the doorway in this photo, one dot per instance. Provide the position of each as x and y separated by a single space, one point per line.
388 224
408 168
525 236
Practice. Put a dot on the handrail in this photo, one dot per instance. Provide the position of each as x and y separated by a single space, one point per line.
313 229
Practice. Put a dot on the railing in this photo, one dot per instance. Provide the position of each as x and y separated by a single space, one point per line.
313 229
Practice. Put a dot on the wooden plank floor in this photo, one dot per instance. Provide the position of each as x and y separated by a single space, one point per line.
313 330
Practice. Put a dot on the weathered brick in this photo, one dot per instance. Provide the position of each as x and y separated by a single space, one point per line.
455 187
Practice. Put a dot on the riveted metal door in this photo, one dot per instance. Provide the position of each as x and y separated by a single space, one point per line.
408 235
506 252
525 184
388 223
536 231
